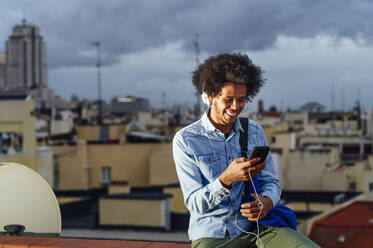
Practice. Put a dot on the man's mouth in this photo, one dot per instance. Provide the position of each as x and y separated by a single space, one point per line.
231 114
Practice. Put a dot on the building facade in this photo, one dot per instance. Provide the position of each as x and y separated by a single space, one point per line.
26 65
129 104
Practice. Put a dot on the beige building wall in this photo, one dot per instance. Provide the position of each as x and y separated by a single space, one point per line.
297 120
73 167
80 166
334 180
269 120
368 185
134 212
284 141
128 162
306 168
359 175
92 132
162 169
311 128
116 132
119 189
18 117
89 132
278 161
44 161
177 200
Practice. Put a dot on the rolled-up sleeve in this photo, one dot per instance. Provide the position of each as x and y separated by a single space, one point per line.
197 196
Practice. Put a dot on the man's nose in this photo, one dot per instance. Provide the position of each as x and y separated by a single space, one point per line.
235 104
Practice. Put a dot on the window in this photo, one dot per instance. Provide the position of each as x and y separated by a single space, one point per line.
352 186
370 187
105 175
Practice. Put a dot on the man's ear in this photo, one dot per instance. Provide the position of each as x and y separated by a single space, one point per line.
211 97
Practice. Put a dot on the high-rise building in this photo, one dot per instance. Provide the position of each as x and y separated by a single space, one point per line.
25 58
2 70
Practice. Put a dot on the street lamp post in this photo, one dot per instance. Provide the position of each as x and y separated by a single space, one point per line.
97 45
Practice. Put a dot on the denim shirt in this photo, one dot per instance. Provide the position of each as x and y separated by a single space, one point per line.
201 154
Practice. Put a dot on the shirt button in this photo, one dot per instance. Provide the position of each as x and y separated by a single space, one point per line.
229 157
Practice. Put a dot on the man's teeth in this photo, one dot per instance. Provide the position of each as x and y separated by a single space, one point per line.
231 114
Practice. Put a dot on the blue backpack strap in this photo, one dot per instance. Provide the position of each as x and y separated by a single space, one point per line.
279 216
244 149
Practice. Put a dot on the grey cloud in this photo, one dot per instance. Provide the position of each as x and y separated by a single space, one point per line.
125 27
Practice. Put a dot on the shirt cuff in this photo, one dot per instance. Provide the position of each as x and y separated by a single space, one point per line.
275 200
218 190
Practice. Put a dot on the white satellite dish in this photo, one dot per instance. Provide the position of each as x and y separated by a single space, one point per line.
27 199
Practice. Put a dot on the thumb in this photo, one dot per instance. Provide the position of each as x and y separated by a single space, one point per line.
255 196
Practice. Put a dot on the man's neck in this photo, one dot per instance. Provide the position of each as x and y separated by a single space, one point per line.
225 129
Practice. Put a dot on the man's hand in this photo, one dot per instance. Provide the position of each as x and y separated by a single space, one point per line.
251 210
239 170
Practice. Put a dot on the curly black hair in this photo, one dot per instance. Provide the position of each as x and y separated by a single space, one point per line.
222 68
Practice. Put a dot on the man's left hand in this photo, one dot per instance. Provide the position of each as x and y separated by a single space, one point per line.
251 210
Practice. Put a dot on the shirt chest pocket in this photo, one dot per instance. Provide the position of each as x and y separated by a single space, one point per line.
210 166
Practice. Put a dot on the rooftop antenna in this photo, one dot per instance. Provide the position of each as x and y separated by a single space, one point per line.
333 110
163 103
196 45
359 97
23 20
332 97
98 64
343 100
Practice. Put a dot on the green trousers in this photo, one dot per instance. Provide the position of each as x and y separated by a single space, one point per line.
270 237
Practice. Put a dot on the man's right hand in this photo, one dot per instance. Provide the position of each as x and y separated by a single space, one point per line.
239 169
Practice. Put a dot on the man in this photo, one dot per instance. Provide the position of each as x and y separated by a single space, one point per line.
212 171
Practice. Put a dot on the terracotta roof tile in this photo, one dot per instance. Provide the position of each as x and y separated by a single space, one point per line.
44 242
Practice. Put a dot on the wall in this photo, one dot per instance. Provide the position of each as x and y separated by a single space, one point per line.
44 162
20 121
334 180
305 168
80 166
128 162
92 132
177 200
89 133
74 172
162 169
284 141
134 212
118 189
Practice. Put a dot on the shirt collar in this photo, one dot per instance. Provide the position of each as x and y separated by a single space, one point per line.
206 123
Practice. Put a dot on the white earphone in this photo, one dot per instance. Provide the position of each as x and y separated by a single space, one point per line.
205 99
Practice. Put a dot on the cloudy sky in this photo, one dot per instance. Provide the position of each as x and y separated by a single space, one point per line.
308 49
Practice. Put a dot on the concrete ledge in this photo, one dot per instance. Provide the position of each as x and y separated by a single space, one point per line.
147 210
43 242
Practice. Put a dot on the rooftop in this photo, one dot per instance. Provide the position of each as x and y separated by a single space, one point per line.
351 226
45 242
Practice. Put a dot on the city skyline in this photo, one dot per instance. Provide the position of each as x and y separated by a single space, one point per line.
307 51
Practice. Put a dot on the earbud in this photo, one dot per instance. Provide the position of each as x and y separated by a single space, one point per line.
205 99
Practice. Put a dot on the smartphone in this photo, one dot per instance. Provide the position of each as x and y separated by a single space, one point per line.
259 151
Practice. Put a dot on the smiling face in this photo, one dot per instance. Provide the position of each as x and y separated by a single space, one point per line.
227 105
